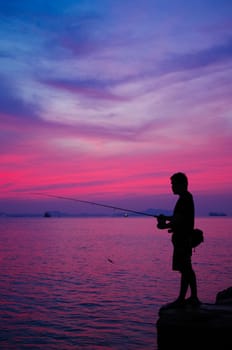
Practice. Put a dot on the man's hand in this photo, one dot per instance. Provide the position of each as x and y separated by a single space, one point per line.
161 222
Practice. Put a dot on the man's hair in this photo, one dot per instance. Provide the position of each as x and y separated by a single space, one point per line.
180 178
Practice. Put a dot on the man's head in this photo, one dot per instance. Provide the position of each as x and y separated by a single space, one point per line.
179 183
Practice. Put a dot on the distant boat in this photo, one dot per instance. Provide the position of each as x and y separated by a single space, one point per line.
213 213
52 214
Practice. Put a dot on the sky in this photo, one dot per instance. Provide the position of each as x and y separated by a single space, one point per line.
104 100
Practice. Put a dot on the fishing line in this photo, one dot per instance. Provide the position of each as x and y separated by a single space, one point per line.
95 203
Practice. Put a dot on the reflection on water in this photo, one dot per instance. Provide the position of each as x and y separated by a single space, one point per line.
97 283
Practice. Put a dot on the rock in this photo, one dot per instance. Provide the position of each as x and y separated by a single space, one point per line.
208 325
224 297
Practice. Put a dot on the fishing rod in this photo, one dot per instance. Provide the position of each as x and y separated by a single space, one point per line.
94 203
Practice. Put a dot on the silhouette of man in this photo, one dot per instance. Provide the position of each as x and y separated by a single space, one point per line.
180 224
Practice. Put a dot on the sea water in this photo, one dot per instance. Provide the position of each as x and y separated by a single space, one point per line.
97 283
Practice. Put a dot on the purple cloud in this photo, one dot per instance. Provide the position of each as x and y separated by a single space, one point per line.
13 105
199 59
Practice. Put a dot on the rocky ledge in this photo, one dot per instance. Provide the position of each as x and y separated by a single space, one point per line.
205 326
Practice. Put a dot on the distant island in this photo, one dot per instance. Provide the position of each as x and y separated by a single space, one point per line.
59 214
119 213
